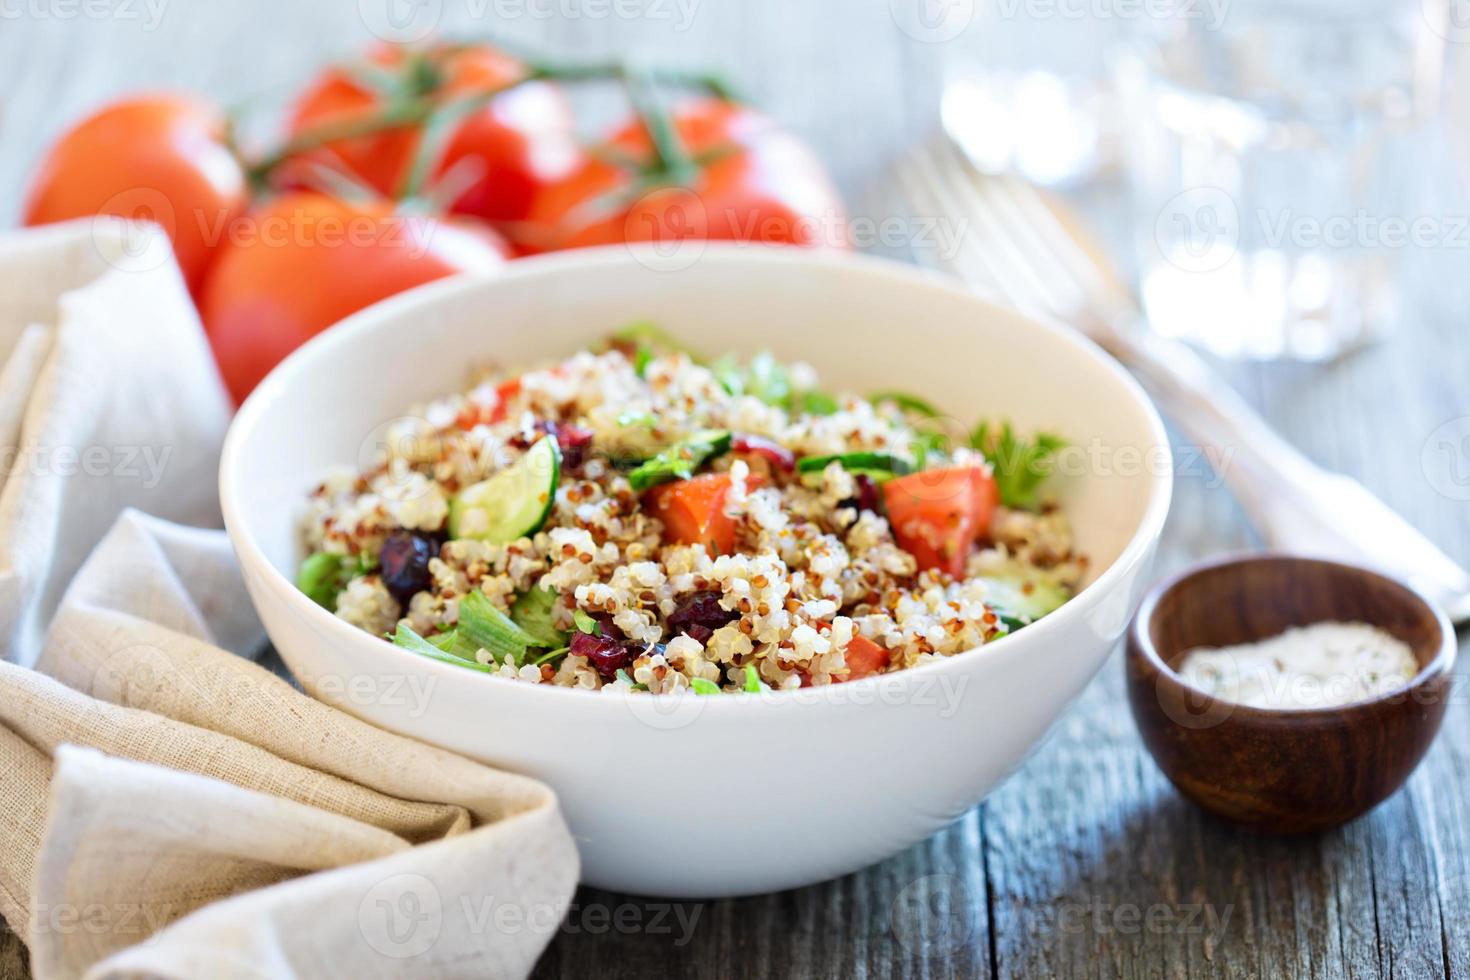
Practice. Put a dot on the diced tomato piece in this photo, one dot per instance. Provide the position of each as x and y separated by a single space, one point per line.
475 414
864 657
693 511
936 515
987 498
503 394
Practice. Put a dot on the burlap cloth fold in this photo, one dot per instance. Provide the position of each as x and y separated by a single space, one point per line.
170 808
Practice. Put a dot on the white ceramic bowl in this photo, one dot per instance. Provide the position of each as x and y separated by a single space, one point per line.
713 796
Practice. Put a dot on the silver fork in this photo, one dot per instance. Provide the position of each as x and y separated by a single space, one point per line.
1033 255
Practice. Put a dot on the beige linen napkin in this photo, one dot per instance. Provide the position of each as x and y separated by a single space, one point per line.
108 399
170 808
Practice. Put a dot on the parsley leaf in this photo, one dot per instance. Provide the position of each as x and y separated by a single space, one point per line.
1020 466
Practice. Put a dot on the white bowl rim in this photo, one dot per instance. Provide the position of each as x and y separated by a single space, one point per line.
367 320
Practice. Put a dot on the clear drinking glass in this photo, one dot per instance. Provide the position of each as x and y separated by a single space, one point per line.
1028 88
1270 149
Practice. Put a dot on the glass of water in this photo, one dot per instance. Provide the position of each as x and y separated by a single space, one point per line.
1271 151
1028 87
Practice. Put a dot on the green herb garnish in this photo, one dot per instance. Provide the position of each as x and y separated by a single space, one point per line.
680 461
409 640
926 443
482 624
762 377
585 623
643 341
702 686
753 683
1020 466
819 403
910 404
622 675
552 656
534 612
767 379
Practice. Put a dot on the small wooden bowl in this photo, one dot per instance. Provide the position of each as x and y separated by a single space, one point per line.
1283 771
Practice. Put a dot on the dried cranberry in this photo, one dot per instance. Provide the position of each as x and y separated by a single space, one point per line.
573 441
403 563
699 615
609 628
773 452
606 655
867 493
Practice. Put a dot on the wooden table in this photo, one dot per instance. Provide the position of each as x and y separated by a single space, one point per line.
1086 863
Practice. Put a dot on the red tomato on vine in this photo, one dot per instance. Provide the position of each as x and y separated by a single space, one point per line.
162 158
306 260
496 158
750 181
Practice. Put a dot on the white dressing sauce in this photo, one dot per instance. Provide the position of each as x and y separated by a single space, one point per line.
1319 666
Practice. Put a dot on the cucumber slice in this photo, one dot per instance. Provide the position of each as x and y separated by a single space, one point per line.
1021 596
680 461
878 467
513 503
869 463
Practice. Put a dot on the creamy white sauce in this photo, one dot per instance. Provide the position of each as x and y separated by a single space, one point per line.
1319 666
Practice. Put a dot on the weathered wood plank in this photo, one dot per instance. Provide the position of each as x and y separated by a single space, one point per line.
13 956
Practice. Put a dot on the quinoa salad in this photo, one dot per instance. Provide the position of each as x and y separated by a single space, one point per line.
638 518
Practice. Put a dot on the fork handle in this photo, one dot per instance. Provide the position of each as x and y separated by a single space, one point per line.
1201 402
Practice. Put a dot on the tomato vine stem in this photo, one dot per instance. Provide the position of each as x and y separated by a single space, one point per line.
440 117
